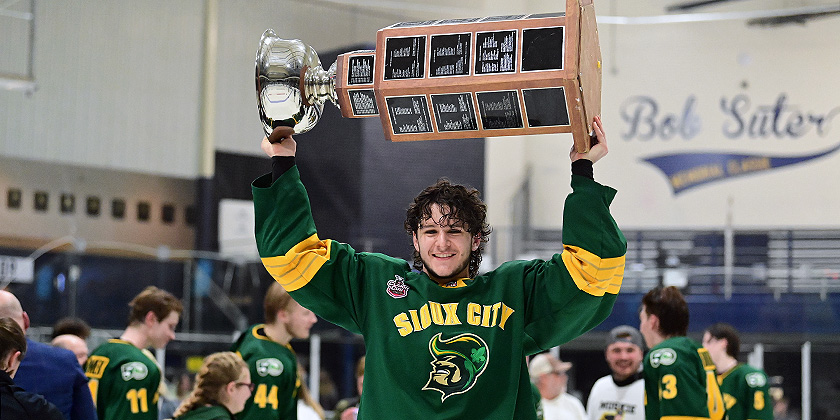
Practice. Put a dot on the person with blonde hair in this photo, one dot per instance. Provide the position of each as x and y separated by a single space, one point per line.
222 386
270 357
307 407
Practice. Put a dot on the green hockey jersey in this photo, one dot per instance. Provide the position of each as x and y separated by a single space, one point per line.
745 393
124 381
680 382
273 369
455 351
213 412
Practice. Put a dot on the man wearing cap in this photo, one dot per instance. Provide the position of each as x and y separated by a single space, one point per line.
620 395
548 373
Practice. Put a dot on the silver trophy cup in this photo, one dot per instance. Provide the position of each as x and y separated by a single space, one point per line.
291 84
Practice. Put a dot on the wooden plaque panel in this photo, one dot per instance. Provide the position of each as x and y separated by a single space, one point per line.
479 77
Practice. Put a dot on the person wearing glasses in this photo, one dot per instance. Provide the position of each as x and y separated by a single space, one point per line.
270 358
222 386
550 376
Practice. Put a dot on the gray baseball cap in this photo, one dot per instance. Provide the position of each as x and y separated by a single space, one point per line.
626 334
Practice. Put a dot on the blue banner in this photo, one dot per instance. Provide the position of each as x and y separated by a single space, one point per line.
688 170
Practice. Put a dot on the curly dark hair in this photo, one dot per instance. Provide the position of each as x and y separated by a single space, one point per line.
457 203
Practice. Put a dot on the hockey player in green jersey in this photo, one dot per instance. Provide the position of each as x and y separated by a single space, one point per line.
744 388
270 358
443 342
124 376
680 380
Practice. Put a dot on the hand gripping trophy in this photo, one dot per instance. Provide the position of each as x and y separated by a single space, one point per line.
446 79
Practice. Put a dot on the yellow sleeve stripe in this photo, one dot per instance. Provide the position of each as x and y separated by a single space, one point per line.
297 268
591 273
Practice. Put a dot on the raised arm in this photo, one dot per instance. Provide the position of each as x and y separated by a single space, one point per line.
599 149
280 142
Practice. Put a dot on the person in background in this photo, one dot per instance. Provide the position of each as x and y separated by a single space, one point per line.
52 372
680 379
71 333
75 344
537 398
307 407
125 379
550 376
621 394
15 402
781 407
347 408
745 389
71 325
273 363
222 386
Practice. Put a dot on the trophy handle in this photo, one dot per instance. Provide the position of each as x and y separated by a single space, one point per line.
318 85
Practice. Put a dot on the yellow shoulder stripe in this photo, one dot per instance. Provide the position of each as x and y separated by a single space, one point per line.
591 273
297 268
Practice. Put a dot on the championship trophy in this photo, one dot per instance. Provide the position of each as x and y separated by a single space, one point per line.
446 79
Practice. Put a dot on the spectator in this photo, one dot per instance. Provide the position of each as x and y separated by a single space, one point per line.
15 403
781 409
680 377
75 344
71 325
621 394
745 389
222 386
550 376
52 372
168 403
125 379
351 405
307 407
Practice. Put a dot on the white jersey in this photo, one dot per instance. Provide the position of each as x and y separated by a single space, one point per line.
564 407
608 399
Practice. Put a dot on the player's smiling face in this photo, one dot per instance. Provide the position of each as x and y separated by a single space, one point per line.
444 246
